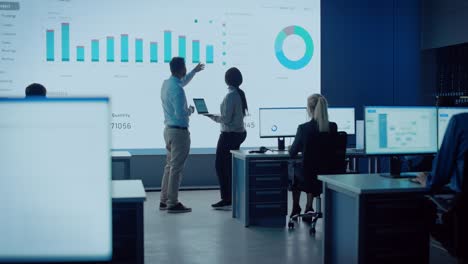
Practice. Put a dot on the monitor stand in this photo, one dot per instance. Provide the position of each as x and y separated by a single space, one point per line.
281 145
395 168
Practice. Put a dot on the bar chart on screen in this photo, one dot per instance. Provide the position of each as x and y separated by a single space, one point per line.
122 49
143 51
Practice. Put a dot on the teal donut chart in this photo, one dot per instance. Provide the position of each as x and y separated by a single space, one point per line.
309 44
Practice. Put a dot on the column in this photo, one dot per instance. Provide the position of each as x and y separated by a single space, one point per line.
209 54
138 50
153 52
50 47
65 42
80 53
182 46
124 48
167 46
94 50
195 51
110 49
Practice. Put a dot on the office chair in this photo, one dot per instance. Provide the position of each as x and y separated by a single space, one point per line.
452 233
323 154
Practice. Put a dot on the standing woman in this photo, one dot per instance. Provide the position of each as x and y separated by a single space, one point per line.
233 110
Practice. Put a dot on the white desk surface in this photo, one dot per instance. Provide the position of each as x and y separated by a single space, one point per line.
371 183
128 191
121 154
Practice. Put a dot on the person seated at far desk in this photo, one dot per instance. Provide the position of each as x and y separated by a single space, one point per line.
35 89
317 108
447 167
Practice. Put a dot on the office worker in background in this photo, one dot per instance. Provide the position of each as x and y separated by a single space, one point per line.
447 167
35 89
233 110
317 108
176 134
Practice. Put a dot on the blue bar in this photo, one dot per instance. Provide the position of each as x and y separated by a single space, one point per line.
79 53
124 48
182 46
50 45
195 51
65 42
209 53
153 52
138 50
95 50
383 140
167 46
110 49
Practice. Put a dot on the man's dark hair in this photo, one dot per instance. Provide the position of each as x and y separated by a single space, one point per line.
36 89
177 64
233 77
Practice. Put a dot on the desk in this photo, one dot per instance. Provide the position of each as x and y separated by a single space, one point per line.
127 223
125 158
372 219
128 197
259 186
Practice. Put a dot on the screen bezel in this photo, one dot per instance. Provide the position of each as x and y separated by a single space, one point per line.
344 107
397 152
439 139
274 108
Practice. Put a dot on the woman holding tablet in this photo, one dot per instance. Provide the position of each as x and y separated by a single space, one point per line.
233 110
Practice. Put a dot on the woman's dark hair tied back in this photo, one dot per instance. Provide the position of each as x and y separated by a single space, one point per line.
233 78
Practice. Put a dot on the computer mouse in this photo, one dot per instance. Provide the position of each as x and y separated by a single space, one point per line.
262 149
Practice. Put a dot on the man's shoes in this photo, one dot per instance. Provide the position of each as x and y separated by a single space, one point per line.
178 208
162 206
222 205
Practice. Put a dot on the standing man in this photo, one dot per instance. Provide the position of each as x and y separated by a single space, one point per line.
176 134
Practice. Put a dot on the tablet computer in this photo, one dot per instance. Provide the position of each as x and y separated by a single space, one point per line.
200 106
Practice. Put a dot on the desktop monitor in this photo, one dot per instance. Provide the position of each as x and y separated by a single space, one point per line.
344 118
444 115
281 122
400 130
55 180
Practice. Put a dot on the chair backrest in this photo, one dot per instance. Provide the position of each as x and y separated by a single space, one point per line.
325 153
455 221
462 239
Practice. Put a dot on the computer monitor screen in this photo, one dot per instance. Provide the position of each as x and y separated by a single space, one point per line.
344 118
400 130
55 180
444 115
281 121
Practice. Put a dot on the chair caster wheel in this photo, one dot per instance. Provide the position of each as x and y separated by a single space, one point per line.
312 231
291 225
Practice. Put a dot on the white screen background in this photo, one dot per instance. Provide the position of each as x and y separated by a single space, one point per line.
242 32
55 181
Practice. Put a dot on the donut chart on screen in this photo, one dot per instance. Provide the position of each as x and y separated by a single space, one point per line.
309 47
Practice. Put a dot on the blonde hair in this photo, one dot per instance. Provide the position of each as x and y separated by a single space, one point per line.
317 107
